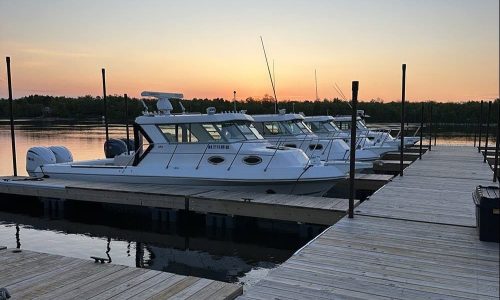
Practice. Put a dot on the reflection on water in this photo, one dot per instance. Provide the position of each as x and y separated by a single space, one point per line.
84 141
128 236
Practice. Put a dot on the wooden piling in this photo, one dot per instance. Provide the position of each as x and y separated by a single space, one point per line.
402 135
105 103
487 130
480 125
495 167
11 112
127 124
352 170
421 131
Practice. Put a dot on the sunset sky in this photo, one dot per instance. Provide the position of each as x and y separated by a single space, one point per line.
210 48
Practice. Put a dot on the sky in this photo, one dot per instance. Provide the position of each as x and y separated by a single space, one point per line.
208 49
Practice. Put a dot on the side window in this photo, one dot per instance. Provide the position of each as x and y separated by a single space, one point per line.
169 131
271 128
178 133
212 131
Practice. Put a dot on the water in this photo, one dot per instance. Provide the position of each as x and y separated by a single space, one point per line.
128 236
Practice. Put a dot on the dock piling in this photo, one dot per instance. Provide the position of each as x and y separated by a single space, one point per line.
11 112
105 103
126 123
487 131
480 125
495 167
430 126
421 131
402 136
352 162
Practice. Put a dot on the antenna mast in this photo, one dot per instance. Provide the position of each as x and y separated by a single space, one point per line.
270 77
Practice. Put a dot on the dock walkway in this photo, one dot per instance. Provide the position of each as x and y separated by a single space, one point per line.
33 275
414 239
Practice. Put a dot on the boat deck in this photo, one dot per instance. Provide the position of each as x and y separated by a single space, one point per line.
28 275
414 239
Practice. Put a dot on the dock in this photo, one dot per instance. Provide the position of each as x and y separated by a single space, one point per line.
415 238
304 209
28 274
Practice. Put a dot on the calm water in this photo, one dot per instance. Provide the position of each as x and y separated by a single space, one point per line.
243 254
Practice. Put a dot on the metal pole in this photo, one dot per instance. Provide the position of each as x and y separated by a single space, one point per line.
126 123
402 136
11 110
105 103
352 162
234 100
430 126
495 168
421 130
487 131
480 122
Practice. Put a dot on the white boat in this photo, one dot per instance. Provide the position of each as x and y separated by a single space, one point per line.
378 137
213 151
324 126
289 130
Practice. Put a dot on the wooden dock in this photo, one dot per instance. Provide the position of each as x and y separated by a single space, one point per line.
29 275
414 239
305 209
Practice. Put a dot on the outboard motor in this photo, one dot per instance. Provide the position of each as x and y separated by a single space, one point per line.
38 156
130 144
114 147
62 154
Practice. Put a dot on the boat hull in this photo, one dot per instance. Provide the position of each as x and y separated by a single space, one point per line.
316 187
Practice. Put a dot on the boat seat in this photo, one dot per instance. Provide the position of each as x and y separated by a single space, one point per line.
123 159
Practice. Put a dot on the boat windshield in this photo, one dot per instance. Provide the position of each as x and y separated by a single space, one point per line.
223 132
295 127
360 124
323 127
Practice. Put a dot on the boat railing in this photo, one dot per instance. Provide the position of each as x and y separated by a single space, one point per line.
234 158
172 156
201 158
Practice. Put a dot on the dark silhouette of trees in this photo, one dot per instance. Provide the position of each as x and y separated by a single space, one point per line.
91 108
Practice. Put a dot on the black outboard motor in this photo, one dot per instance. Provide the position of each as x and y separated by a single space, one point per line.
130 144
114 147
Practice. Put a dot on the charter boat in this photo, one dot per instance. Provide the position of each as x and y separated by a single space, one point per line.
324 126
378 137
212 150
288 130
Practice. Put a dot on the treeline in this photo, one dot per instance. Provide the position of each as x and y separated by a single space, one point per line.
90 108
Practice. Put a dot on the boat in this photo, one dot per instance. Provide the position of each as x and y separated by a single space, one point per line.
288 130
211 150
324 126
378 137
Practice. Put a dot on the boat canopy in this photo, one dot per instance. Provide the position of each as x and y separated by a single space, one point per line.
277 117
192 118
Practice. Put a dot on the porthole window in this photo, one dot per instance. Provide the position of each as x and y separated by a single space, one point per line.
216 160
252 160
315 147
291 145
